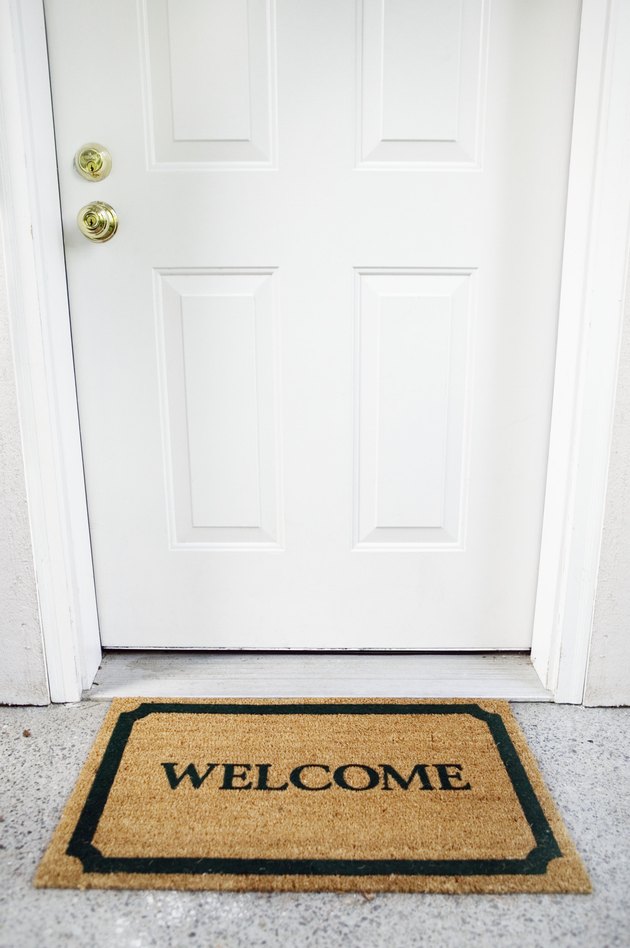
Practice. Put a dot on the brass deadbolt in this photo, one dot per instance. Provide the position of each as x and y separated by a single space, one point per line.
93 161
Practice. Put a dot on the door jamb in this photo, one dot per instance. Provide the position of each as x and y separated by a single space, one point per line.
594 269
42 353
590 320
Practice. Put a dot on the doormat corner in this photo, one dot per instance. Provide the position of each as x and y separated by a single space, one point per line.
312 795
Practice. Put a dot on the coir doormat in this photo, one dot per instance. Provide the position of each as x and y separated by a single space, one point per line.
408 796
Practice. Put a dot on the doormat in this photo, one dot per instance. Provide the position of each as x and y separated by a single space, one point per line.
336 795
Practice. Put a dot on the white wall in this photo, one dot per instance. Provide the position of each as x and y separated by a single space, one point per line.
609 663
22 669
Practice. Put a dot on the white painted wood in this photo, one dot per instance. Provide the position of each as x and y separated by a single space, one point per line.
40 332
591 314
315 223
222 675
217 339
421 45
209 75
220 387
412 374
422 68
209 70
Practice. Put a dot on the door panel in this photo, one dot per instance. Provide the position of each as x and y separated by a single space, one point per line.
315 364
209 74
412 367
218 344
422 74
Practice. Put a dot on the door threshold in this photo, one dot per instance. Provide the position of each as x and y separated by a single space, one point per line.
194 674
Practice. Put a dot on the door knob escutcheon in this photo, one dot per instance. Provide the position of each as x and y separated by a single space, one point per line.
98 221
93 161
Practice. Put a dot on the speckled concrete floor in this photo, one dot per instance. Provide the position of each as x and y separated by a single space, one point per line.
584 755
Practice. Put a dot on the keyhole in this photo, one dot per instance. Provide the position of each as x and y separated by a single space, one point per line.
98 221
92 162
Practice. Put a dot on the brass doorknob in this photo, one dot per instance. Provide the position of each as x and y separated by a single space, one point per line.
98 221
93 161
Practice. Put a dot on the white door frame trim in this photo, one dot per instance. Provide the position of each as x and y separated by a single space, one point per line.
589 332
42 352
593 279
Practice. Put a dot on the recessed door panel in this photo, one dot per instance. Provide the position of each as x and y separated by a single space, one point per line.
209 77
422 70
219 356
413 331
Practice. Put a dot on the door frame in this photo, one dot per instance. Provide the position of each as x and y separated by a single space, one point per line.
590 322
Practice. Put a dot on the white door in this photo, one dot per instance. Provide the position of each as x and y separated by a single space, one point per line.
315 363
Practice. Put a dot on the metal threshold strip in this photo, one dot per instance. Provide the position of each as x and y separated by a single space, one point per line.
194 674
